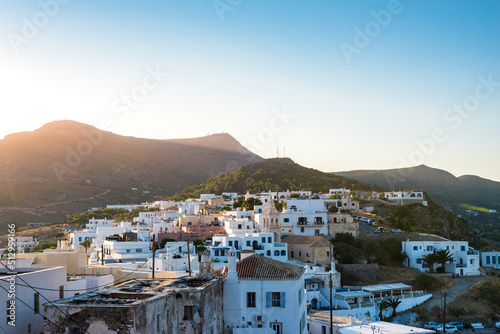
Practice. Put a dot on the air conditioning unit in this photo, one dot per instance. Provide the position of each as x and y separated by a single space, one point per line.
260 318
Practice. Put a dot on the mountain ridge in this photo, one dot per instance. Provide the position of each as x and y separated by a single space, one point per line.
68 161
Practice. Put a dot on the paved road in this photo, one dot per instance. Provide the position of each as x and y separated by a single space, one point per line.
461 284
365 228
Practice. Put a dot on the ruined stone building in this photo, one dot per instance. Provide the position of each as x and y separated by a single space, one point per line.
188 305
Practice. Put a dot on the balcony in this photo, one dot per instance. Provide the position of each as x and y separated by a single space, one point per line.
473 252
302 223
461 265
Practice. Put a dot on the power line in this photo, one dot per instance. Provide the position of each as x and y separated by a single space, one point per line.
50 302
44 318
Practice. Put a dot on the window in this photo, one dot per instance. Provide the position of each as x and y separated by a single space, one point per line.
302 229
61 291
128 250
251 299
462 248
448 247
189 223
429 248
415 248
158 320
276 299
263 240
230 243
307 254
188 312
487 259
323 329
276 253
239 226
248 242
301 295
269 239
316 232
494 258
216 252
328 254
36 302
286 220
300 254
268 253
283 253
138 250
419 261
222 253
79 238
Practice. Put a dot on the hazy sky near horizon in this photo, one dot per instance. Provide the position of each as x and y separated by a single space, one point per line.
340 84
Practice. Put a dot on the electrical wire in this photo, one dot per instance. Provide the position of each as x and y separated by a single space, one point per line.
45 318
50 302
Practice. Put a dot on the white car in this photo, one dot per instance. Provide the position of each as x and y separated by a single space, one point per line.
449 329
396 230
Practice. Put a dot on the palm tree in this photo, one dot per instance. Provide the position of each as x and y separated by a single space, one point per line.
384 304
443 256
430 259
394 303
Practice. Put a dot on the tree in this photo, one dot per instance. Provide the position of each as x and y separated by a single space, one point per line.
86 244
164 241
383 305
430 259
443 256
394 303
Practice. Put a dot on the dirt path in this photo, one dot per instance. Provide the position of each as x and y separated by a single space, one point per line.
461 284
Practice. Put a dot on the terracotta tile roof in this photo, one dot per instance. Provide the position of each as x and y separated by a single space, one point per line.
313 241
261 267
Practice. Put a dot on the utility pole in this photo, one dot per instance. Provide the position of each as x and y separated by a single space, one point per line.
153 248
444 313
189 257
102 255
331 292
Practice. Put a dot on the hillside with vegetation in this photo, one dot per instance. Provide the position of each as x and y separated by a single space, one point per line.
468 196
271 174
67 167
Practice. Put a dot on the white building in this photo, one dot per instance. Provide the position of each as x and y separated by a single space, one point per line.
491 259
127 246
25 242
175 257
466 259
263 293
405 196
25 303
260 243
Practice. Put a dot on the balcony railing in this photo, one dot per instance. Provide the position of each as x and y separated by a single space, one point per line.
302 223
461 265
474 252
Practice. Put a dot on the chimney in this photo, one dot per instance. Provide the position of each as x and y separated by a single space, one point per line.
232 276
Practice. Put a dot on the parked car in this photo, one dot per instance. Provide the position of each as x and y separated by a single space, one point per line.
396 230
457 324
449 329
374 224
431 325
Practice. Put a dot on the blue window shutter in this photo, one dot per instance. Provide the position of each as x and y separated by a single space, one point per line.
268 299
282 299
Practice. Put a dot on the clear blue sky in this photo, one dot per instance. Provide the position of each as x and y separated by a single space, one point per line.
365 82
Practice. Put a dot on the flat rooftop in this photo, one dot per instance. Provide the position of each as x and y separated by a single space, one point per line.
338 320
385 327
136 291
386 287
